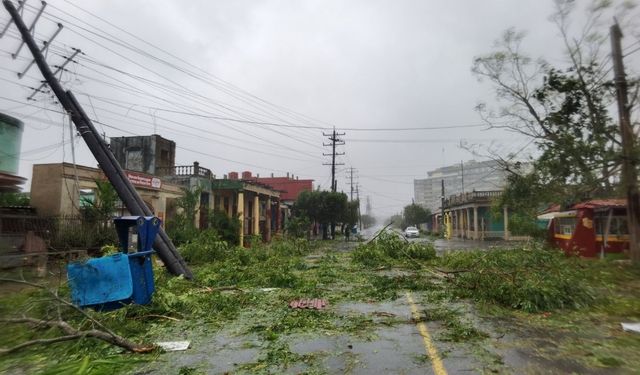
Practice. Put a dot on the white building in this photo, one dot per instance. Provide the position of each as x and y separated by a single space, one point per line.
468 176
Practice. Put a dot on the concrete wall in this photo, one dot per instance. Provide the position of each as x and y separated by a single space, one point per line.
144 154
46 189
54 193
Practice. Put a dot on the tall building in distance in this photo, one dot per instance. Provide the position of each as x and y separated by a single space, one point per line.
470 176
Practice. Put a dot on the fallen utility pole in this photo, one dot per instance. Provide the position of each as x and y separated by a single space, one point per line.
629 146
112 170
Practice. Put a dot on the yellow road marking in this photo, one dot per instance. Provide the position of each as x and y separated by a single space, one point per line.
432 352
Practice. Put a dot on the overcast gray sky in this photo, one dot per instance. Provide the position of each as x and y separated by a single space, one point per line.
349 64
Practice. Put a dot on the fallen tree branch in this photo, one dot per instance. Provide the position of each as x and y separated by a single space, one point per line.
379 232
71 334
62 301
38 342
104 334
161 317
209 289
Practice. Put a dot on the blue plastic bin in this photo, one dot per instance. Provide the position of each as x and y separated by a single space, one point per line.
110 282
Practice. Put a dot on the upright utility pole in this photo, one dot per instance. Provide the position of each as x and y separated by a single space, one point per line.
350 175
358 199
629 151
127 193
335 141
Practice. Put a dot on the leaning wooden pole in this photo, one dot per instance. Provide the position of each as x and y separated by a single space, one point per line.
127 193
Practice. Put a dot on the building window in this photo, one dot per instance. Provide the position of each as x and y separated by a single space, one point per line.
164 158
87 198
565 225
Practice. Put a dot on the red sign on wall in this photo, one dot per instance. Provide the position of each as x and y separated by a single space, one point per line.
139 179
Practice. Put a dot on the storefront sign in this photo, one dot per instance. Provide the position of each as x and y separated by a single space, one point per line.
143 180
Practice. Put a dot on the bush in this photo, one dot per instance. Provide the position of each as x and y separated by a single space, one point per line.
227 227
531 278
298 227
206 247
389 248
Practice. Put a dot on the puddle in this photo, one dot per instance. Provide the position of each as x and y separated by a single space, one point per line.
377 311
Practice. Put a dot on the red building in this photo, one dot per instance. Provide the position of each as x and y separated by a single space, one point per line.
288 186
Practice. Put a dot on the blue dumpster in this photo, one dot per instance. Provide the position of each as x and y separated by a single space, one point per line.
110 282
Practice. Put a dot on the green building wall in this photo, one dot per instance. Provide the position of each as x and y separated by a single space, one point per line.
10 140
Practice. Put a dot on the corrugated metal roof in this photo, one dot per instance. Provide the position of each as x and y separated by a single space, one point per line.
602 203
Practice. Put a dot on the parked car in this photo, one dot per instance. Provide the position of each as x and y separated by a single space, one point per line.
411 232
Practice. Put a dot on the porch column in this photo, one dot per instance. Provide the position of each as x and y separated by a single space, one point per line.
506 223
256 215
278 214
230 207
475 223
456 224
467 223
267 221
240 216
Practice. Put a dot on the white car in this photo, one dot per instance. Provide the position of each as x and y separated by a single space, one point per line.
411 232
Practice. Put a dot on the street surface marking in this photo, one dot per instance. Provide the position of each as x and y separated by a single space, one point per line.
432 352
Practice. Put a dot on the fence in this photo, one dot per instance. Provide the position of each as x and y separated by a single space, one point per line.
61 233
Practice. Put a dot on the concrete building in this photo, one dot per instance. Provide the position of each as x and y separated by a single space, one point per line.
256 205
155 155
151 154
473 175
10 142
469 216
149 163
62 189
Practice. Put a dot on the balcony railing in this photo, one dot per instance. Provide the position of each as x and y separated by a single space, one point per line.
194 170
472 196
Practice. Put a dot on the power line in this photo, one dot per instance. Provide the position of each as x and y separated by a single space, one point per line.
119 42
183 61
178 147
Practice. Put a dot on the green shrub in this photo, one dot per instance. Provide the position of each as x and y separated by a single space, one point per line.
206 247
530 278
227 227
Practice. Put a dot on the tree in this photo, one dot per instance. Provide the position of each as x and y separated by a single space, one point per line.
102 208
563 110
183 228
368 221
414 214
323 207
395 220
14 199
